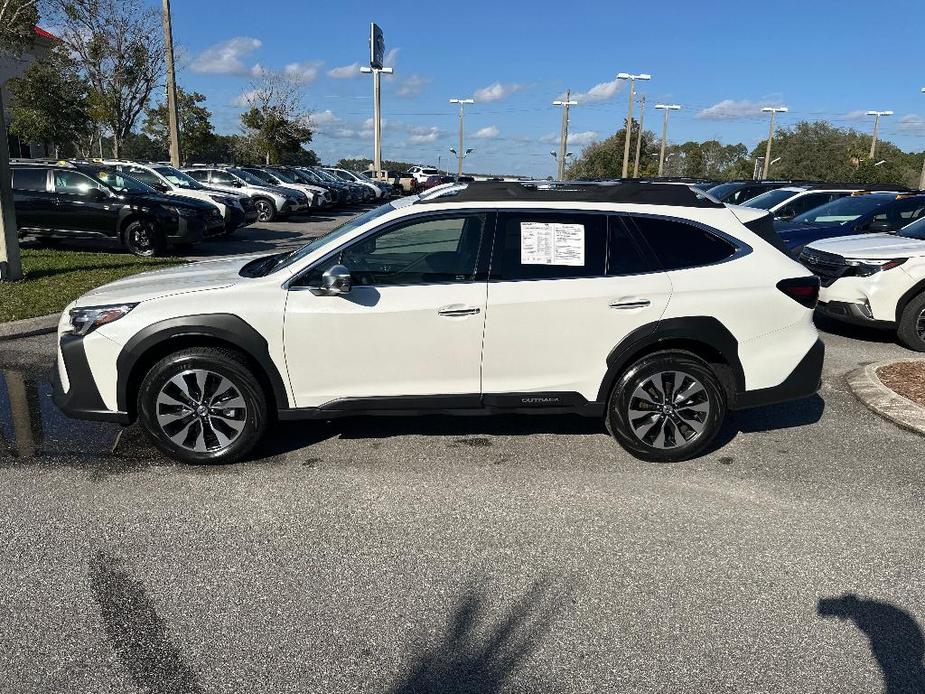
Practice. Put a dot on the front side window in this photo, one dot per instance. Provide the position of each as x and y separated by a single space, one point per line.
73 182
678 245
841 211
144 176
201 175
898 215
264 176
223 178
550 245
30 179
808 202
178 178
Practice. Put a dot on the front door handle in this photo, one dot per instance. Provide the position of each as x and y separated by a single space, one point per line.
456 311
630 303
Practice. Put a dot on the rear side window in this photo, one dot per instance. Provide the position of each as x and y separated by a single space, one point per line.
624 256
198 174
223 178
30 179
550 245
679 245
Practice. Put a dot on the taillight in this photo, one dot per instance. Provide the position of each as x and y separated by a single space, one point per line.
803 290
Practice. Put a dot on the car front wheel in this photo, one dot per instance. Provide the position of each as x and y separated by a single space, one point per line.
666 407
911 328
266 210
143 238
203 405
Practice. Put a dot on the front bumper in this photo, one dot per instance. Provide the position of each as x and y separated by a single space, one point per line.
235 218
855 314
802 382
82 400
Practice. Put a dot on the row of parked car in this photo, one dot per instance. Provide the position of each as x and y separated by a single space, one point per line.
865 243
148 207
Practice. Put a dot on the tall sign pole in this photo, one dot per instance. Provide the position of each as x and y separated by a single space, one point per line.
172 120
376 56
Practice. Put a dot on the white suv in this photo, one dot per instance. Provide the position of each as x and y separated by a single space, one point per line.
875 280
651 306
422 173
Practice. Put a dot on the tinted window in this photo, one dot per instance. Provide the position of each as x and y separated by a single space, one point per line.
843 210
536 246
72 182
424 252
680 245
808 202
624 257
770 198
223 178
143 175
198 174
899 214
29 179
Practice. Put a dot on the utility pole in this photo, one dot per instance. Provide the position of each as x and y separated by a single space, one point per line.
922 179
873 142
10 261
563 134
642 120
661 155
629 116
173 122
376 52
773 110
460 152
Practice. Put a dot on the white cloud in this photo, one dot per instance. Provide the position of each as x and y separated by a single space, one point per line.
246 99
731 109
412 86
599 92
226 58
496 91
488 132
911 123
303 73
582 138
322 119
390 58
345 72
424 135
855 115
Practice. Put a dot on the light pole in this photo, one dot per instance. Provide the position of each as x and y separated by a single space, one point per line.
172 119
642 120
460 152
629 116
873 142
563 135
377 112
661 155
773 110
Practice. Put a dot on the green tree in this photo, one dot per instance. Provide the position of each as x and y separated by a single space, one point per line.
604 159
17 19
195 124
51 103
275 122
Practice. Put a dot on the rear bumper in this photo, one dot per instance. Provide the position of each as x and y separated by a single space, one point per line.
802 382
82 400
855 314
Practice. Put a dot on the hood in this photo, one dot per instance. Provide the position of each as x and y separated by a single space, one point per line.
192 277
879 246
785 227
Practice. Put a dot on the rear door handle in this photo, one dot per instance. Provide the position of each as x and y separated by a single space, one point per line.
630 303
456 311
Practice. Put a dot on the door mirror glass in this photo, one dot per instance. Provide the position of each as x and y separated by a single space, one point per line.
336 281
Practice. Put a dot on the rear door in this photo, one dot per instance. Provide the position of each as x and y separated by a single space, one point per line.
564 289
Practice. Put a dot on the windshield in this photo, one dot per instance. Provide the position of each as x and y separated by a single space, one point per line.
119 181
430 172
325 176
344 175
284 176
262 175
770 199
178 178
843 210
305 176
916 230
248 177
278 262
723 189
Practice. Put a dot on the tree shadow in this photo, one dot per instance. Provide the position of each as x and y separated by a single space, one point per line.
137 633
476 655
896 640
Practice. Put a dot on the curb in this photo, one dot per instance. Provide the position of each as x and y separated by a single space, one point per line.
30 326
869 389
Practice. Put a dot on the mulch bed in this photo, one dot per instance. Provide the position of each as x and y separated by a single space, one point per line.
907 378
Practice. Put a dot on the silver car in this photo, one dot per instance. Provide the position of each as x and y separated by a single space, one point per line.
272 201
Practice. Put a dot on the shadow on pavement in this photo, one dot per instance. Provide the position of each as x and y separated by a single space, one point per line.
136 632
896 640
856 332
477 655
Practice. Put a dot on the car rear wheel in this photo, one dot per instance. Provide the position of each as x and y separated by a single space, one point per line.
203 405
911 328
143 238
266 210
666 407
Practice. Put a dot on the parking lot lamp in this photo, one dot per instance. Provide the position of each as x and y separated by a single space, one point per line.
873 142
629 116
461 151
773 110
661 154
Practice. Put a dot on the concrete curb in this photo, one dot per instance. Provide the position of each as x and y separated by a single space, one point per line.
869 389
28 327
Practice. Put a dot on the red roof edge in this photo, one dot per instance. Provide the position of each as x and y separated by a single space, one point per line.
39 31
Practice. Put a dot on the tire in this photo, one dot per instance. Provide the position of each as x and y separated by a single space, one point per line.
911 328
266 210
678 433
143 238
175 412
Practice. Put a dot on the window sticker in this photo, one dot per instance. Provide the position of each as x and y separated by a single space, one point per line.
542 243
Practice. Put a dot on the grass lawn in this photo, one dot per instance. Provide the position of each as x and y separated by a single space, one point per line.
55 278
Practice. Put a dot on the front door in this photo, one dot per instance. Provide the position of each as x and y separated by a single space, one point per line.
84 206
408 334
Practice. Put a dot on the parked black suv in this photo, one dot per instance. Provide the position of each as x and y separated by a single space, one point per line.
75 200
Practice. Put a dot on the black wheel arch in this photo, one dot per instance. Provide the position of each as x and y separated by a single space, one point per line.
703 336
160 339
910 294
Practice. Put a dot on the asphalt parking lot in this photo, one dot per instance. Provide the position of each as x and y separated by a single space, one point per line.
438 554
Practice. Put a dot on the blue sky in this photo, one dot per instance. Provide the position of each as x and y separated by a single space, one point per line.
721 60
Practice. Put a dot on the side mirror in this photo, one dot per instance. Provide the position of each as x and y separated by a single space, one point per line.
95 194
879 227
335 281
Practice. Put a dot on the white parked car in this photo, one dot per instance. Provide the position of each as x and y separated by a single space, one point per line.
317 196
875 280
271 201
790 201
650 306
352 177
422 173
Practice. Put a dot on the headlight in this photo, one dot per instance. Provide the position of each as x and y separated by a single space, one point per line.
184 211
867 266
85 320
221 199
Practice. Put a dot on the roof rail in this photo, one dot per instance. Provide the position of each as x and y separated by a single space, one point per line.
40 161
571 191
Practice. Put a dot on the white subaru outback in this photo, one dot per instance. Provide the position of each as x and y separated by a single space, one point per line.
651 306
